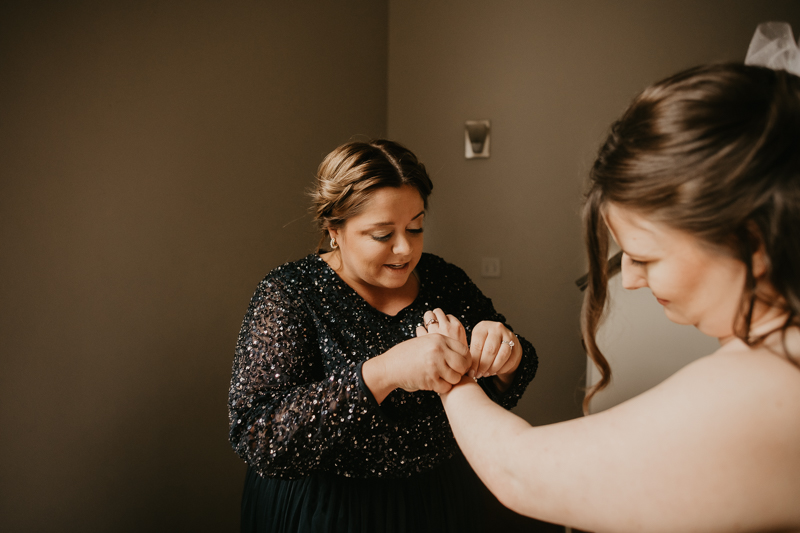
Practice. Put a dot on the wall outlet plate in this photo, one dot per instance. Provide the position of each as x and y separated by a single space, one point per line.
490 267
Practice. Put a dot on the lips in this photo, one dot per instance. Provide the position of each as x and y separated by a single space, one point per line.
662 302
397 266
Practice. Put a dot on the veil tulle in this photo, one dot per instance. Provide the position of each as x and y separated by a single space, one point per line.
773 46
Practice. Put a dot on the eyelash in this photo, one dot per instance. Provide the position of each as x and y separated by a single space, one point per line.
634 262
384 238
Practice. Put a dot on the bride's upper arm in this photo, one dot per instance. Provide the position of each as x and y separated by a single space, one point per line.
717 444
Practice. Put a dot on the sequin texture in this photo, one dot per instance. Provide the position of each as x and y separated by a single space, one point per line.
297 402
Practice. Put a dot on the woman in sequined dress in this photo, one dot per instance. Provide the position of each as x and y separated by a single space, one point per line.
334 402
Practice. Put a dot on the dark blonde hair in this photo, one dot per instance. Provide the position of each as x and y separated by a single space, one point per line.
713 151
349 175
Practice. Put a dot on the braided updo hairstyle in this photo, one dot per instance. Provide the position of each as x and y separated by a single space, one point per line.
349 175
713 151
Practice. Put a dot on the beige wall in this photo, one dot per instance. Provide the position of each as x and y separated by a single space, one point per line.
153 157
152 161
551 76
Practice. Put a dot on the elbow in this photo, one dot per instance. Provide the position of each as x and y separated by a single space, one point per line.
510 494
502 480
257 447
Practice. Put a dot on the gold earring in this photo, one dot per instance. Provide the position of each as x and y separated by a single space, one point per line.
333 244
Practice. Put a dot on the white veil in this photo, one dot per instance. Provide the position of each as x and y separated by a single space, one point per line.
773 46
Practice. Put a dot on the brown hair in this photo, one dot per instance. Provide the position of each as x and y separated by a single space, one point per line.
349 175
713 151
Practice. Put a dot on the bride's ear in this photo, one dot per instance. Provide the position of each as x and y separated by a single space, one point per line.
760 261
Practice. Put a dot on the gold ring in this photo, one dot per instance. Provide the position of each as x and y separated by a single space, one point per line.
431 321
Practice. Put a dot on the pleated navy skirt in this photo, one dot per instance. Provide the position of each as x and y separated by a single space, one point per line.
449 498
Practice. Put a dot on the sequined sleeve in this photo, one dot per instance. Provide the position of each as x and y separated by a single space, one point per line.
286 414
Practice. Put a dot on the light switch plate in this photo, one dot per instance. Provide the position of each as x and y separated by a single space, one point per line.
490 267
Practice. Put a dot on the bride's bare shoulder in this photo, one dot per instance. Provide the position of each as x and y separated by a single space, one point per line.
777 359
736 365
725 424
749 385
745 389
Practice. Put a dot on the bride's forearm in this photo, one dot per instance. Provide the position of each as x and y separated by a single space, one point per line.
487 435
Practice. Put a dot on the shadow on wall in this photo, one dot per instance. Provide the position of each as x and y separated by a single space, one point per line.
153 158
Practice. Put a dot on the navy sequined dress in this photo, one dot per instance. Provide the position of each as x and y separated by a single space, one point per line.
322 454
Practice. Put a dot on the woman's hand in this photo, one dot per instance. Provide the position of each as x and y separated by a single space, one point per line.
495 350
437 321
428 362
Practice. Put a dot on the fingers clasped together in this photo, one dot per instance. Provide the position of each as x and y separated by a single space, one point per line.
494 350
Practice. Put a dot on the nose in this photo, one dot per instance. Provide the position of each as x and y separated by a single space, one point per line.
633 276
401 245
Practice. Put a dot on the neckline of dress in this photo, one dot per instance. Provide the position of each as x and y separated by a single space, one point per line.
344 286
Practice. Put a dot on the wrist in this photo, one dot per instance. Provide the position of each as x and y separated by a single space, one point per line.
465 383
377 378
502 382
